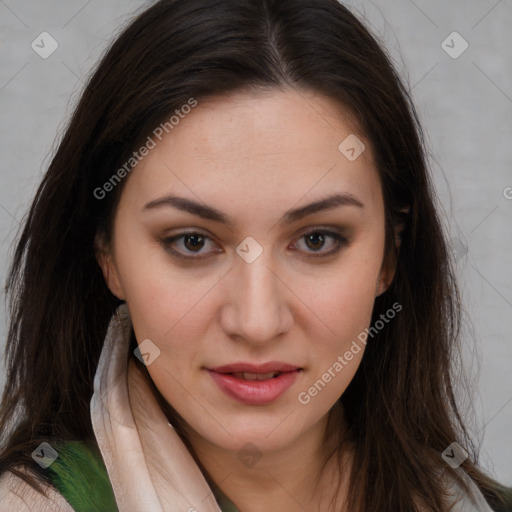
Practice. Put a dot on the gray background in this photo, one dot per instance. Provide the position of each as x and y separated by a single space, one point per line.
465 104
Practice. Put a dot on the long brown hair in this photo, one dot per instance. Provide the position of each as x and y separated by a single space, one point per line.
400 407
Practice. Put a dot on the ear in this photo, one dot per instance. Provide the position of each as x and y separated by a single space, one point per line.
105 259
388 269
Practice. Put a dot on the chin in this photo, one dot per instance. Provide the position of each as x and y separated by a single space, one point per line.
267 434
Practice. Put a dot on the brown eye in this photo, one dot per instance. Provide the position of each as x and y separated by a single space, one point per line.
193 242
190 245
315 241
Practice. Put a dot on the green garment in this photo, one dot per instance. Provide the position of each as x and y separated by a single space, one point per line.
225 504
80 476
507 494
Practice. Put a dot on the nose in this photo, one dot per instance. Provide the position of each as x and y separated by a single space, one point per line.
257 308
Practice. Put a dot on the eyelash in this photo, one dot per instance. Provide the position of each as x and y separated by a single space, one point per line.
339 239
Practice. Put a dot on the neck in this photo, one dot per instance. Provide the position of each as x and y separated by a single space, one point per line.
303 475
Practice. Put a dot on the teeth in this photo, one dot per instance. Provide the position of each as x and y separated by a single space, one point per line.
255 376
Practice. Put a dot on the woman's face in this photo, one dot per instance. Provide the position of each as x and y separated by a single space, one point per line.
234 269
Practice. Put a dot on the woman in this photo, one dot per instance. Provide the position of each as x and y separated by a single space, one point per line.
232 291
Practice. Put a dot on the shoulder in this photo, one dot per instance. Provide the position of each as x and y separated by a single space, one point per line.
16 494
472 501
80 482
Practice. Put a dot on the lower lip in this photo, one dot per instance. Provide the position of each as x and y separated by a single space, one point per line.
254 392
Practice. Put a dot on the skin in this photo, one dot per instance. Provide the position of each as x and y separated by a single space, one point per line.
253 156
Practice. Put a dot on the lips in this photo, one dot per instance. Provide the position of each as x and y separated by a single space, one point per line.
272 366
255 376
255 384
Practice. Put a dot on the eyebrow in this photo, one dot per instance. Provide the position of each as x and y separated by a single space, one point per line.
207 212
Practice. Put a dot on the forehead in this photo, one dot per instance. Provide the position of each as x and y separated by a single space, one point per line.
267 148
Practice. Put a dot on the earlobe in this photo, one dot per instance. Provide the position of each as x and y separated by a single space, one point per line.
400 226
384 281
388 269
387 273
108 268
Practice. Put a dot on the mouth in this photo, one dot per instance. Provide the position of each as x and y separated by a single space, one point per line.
255 376
255 384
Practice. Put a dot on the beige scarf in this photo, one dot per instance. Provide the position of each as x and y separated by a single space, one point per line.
149 466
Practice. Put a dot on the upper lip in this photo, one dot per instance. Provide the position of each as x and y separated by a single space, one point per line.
272 366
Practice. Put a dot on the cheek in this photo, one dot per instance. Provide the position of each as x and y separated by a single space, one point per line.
163 300
344 305
344 300
346 313
172 315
